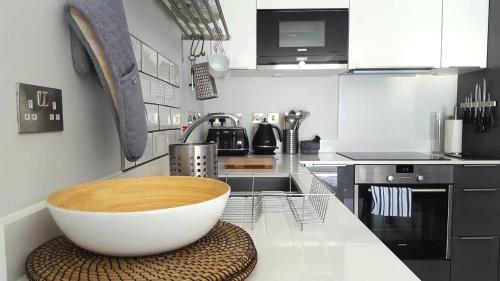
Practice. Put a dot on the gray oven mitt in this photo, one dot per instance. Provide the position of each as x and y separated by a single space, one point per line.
100 39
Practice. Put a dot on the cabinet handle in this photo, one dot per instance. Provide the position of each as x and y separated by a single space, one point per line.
479 189
472 66
477 238
480 165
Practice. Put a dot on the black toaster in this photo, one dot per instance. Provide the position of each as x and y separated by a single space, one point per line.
231 141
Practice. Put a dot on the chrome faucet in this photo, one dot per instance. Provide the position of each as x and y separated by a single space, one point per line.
204 118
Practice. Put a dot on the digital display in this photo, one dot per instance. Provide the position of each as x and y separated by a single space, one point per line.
404 169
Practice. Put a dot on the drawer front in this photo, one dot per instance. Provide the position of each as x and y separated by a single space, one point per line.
430 270
475 212
474 258
477 176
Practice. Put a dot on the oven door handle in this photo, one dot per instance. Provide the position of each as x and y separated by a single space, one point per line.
423 190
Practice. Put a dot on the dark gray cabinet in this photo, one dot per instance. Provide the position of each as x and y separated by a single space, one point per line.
475 258
475 249
477 176
476 212
430 270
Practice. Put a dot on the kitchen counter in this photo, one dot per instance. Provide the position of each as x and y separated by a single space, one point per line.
341 249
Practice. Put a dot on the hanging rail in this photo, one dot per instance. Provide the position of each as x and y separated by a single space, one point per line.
199 19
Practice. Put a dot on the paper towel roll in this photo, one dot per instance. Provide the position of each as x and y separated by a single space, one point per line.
453 136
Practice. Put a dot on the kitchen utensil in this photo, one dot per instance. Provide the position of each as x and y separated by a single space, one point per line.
218 65
139 216
204 83
466 111
471 109
483 128
490 119
264 140
290 141
249 163
476 120
194 159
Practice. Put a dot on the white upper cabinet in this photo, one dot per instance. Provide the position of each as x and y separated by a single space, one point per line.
395 33
465 33
241 18
302 4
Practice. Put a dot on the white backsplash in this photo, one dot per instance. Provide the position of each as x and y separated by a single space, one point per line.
349 112
387 113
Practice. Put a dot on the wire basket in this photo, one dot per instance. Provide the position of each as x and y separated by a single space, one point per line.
204 83
306 208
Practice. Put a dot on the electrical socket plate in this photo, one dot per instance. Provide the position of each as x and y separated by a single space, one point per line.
273 118
258 117
240 118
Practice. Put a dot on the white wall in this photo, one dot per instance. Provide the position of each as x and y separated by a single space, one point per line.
36 50
318 95
388 113
349 112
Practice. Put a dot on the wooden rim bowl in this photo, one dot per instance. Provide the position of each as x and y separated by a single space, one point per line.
139 216
137 194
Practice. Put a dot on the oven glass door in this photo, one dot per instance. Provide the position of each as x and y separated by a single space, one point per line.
289 36
424 235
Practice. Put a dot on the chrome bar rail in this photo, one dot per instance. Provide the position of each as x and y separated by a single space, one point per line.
199 19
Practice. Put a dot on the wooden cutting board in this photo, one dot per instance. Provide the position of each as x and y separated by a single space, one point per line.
249 163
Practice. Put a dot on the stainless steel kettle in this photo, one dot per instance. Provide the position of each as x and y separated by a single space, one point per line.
264 140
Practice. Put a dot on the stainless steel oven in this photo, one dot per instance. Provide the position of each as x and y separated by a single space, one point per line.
424 235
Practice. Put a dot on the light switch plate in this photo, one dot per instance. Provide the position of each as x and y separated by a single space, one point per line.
273 118
258 117
39 109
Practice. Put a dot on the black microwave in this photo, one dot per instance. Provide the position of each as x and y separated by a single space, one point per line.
302 36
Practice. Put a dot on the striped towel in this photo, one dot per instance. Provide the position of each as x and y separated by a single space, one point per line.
391 201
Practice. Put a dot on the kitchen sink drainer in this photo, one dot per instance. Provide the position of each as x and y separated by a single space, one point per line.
306 208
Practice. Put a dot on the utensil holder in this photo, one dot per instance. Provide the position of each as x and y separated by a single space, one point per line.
194 159
290 141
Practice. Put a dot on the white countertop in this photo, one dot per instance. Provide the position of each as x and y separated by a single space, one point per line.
341 249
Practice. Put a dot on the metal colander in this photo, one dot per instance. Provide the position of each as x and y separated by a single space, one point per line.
194 159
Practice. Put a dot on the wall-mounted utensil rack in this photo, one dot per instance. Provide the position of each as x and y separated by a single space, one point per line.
478 104
199 19
306 208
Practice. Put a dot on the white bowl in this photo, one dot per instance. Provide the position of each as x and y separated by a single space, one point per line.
139 216
218 65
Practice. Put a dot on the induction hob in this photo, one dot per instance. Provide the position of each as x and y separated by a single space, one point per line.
417 156
469 156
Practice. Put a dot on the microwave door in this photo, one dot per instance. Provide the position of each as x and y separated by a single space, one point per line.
301 35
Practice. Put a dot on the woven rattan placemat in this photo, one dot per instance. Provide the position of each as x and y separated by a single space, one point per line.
227 252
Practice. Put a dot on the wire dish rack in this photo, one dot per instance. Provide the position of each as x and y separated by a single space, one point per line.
306 208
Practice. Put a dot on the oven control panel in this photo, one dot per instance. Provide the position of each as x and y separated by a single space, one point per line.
404 174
